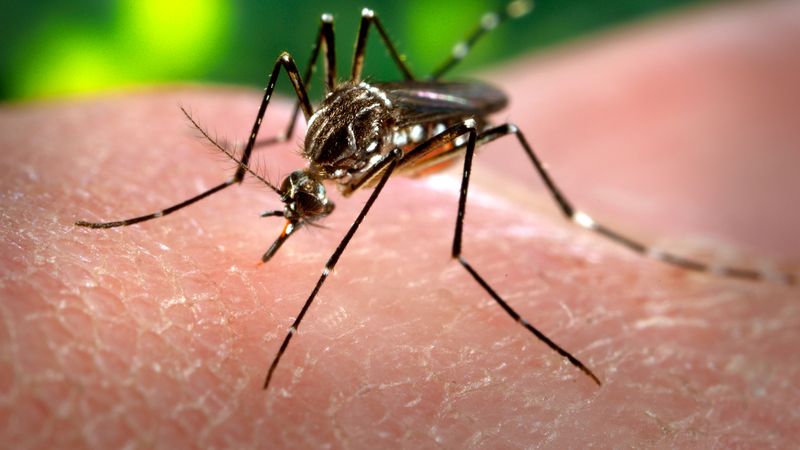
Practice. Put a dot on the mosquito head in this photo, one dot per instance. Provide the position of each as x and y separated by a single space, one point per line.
305 200
348 129
304 197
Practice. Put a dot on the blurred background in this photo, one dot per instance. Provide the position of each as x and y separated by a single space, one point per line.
56 48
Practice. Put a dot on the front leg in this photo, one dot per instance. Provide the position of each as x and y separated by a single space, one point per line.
285 61
325 44
390 163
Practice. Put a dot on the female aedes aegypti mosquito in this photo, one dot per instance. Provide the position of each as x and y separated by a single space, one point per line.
363 133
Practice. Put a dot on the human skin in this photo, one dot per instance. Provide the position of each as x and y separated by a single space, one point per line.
160 334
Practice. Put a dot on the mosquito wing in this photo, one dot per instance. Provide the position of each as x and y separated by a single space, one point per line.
425 102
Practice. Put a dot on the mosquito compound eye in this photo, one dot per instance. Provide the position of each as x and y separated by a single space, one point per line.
312 199
308 204
286 187
305 196
295 182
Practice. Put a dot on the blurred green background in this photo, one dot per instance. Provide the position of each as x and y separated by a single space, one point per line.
57 48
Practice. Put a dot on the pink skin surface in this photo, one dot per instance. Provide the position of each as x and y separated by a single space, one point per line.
160 334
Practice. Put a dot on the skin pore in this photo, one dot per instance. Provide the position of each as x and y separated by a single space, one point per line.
682 131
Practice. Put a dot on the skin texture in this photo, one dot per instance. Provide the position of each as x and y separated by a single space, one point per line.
159 335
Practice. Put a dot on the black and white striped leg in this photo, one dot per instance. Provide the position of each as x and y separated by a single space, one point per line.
586 221
468 128
390 164
489 22
368 18
285 61
157 214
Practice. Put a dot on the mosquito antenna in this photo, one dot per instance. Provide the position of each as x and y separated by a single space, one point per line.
227 152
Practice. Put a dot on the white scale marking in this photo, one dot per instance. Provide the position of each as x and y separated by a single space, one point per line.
400 138
351 137
377 92
460 50
490 21
583 220
416 133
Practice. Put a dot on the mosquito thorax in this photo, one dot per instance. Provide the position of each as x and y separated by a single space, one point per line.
304 197
349 130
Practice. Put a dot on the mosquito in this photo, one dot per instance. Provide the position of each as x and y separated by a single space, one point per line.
363 133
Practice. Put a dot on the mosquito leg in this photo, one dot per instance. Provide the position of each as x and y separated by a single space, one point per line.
586 221
468 128
325 43
390 163
453 135
489 22
368 17
157 214
286 61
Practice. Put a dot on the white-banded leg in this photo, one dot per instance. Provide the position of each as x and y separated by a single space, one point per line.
389 164
468 128
489 22
586 221
464 137
285 61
